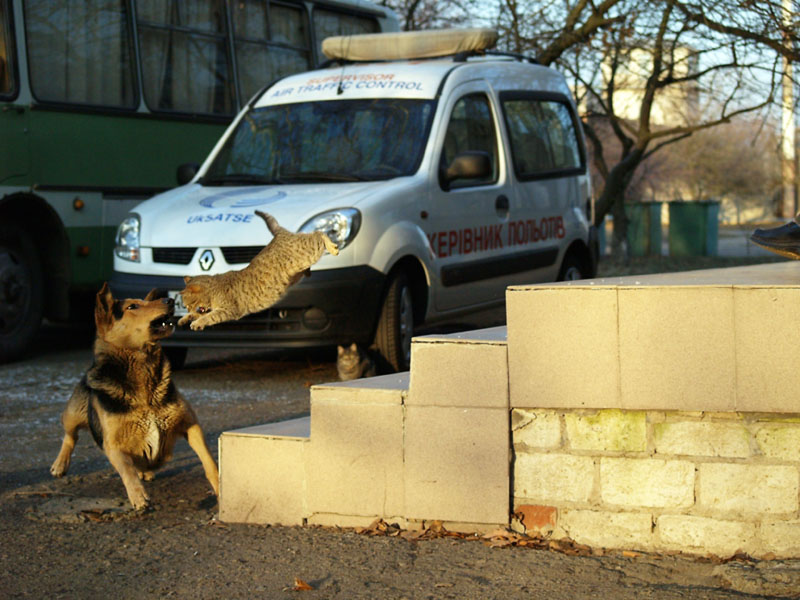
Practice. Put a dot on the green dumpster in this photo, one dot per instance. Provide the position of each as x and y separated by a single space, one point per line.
644 228
693 228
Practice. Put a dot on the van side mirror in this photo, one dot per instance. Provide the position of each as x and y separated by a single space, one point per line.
186 172
473 164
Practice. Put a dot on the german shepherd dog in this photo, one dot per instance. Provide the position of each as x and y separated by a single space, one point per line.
127 398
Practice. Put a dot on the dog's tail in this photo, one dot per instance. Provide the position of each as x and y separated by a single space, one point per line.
272 223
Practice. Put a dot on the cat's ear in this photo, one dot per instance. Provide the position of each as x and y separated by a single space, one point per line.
340 350
193 289
186 279
353 347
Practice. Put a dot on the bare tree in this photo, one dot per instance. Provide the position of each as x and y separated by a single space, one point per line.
652 73
432 14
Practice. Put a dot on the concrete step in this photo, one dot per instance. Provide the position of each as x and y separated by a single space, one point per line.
466 369
456 429
273 474
354 463
262 477
714 340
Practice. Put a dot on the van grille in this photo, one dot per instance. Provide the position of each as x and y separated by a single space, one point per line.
183 256
175 256
240 254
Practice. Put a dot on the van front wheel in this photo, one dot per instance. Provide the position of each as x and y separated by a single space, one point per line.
396 324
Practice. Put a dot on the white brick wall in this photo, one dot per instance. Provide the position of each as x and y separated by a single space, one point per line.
708 483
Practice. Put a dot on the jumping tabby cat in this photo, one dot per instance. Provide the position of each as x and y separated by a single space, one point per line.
213 299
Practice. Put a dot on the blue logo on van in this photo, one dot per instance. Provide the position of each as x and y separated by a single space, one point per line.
234 199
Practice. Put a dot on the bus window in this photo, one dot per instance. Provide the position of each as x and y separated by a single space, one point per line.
271 41
79 52
8 85
328 23
185 62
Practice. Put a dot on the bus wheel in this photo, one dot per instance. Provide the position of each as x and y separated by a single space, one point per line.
21 292
396 324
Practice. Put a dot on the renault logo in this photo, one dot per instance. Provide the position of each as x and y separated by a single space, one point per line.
206 260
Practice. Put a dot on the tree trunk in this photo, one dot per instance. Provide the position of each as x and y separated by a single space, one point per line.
612 200
619 240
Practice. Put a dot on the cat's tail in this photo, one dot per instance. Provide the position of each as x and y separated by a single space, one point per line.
272 223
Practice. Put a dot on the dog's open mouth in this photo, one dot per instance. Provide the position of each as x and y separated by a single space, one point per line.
165 324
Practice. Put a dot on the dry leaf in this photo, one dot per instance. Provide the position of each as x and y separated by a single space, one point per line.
301 586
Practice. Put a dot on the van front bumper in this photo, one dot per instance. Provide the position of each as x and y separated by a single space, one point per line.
334 306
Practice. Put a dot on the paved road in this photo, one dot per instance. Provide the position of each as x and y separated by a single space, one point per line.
180 549
731 241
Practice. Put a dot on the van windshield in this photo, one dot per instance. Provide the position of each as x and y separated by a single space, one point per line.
333 141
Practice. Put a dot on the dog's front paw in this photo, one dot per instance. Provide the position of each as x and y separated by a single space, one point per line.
139 499
59 468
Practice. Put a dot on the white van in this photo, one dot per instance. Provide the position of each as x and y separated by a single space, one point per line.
444 174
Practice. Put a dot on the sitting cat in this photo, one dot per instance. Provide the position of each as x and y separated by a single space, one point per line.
213 299
353 363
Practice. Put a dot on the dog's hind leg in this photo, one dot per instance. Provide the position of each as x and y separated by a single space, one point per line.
130 477
194 435
73 418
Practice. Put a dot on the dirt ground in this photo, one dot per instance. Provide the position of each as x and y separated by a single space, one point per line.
75 538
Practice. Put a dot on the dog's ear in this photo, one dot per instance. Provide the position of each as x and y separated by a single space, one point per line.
186 279
102 307
154 294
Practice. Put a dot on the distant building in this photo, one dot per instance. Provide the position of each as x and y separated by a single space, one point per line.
674 105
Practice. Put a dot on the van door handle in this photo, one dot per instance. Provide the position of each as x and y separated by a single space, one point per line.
501 204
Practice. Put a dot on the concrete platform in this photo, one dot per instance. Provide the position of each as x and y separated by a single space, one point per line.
720 339
654 412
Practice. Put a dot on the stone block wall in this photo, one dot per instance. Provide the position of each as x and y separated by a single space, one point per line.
697 482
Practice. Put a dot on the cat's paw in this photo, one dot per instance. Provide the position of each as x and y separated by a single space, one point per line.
197 326
184 320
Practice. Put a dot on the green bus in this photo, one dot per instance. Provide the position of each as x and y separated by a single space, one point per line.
102 100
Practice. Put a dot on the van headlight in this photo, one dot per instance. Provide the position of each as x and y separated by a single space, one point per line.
127 245
340 225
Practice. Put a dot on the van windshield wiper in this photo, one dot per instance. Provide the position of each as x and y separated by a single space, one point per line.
237 179
314 176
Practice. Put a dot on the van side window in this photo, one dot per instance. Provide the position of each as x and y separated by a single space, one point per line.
543 137
471 128
8 80
80 52
271 41
184 53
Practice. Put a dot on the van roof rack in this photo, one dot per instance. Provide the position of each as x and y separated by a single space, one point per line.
409 45
463 56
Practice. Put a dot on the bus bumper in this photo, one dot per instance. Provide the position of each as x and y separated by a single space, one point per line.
335 306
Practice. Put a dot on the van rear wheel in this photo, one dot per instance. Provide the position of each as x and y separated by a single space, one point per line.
572 269
396 324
